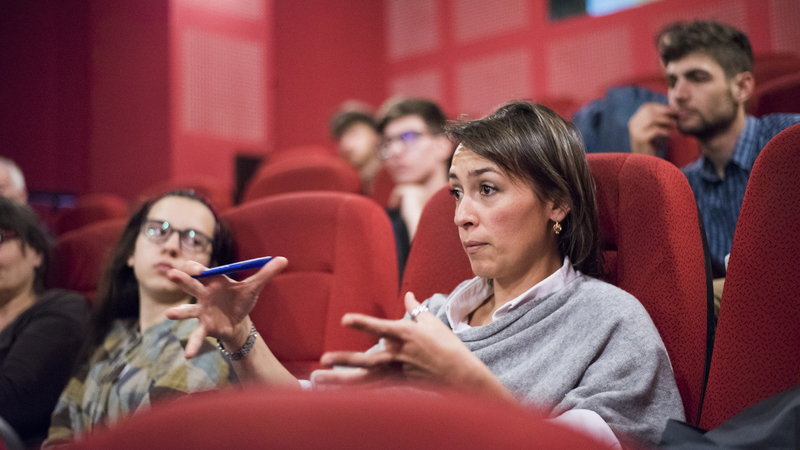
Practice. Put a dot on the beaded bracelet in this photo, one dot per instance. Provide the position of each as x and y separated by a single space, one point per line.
242 352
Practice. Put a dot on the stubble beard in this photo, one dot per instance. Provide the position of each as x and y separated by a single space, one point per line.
708 128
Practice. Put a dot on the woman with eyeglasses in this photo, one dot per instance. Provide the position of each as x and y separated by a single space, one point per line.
134 356
40 330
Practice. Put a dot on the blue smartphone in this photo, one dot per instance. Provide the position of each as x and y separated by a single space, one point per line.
235 267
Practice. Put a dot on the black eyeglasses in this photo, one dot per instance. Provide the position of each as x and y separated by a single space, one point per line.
6 236
408 138
192 241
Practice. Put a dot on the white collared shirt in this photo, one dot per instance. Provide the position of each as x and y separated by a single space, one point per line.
465 300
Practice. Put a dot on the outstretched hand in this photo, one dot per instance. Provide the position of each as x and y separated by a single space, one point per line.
425 350
222 304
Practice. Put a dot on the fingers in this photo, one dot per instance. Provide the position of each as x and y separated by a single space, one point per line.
340 376
410 302
270 269
195 341
182 312
373 325
355 359
185 281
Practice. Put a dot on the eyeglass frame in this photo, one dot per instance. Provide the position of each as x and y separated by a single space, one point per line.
7 235
182 236
409 139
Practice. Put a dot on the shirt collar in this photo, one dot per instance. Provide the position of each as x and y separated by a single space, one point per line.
463 301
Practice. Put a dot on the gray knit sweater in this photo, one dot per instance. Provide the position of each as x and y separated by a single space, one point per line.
589 345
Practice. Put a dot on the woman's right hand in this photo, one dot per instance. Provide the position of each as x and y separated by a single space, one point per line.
223 304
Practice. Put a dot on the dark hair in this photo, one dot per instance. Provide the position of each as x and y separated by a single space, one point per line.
727 46
428 111
531 142
343 120
118 292
23 222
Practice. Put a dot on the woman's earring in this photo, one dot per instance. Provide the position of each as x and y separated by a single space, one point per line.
557 227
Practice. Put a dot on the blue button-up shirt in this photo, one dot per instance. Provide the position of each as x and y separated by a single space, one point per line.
720 200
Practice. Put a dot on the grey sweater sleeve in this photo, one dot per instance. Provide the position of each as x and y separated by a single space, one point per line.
588 346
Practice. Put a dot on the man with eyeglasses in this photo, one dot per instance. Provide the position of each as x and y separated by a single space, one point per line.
417 154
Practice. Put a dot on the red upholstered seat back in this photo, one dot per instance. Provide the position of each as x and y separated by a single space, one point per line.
382 187
217 192
80 256
90 209
437 262
347 419
651 234
757 347
780 95
342 259
308 173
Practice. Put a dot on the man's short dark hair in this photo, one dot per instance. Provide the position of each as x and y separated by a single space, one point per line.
727 46
429 111
343 120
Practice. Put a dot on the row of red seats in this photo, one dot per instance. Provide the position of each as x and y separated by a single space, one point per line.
341 254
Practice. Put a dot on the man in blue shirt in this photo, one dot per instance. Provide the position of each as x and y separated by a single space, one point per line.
709 73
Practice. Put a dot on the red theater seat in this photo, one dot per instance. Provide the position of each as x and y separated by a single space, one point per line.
780 95
654 250
648 220
91 208
437 262
352 420
309 173
217 192
80 256
757 346
341 259
382 187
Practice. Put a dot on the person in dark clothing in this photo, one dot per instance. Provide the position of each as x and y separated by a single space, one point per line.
41 331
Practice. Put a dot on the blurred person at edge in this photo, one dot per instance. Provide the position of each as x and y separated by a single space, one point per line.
41 330
356 133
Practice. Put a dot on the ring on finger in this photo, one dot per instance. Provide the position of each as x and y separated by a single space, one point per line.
416 311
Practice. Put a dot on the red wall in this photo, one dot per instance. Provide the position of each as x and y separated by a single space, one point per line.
44 92
325 53
92 90
130 111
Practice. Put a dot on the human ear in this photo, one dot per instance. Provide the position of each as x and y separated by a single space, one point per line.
558 213
742 86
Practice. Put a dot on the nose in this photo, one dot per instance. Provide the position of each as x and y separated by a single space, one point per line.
679 92
172 244
465 216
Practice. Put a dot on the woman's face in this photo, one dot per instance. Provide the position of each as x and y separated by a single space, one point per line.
151 259
504 227
18 263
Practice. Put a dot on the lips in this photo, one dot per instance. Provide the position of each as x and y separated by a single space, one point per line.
473 246
163 267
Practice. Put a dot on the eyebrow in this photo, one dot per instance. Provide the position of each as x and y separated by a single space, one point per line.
476 172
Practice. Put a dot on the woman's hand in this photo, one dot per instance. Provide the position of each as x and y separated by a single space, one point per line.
425 350
222 304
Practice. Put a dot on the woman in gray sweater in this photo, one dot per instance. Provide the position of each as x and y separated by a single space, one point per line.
535 325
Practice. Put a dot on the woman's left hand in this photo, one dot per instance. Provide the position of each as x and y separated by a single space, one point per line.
424 350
